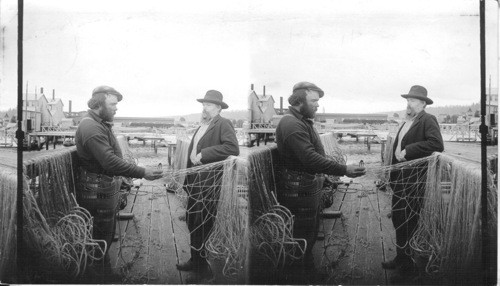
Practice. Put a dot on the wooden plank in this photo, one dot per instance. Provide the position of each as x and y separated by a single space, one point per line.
335 252
162 246
180 232
369 249
387 231
344 237
121 232
135 245
322 249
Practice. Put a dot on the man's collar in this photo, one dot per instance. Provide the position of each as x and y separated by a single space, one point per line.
206 122
295 112
95 115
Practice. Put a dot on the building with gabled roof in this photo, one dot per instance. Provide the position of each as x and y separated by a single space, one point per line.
39 112
492 106
260 108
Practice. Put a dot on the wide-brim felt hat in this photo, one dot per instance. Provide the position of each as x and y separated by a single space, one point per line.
107 90
215 97
308 86
418 92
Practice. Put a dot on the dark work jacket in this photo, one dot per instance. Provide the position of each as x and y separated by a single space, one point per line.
300 147
98 149
422 139
218 142
203 186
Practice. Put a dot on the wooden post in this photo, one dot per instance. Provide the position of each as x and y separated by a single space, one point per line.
382 151
169 154
281 105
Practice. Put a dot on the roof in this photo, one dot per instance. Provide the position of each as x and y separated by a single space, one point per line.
261 97
55 101
266 97
33 96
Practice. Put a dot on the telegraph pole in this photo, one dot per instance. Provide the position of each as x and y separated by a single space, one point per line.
20 139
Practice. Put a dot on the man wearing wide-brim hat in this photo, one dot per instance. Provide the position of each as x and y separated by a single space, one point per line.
214 141
419 136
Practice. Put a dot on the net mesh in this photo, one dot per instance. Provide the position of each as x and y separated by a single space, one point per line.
442 191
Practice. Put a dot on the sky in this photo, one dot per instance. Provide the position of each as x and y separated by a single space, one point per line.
163 55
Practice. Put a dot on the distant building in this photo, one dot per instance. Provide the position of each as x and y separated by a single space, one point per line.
55 108
31 119
75 116
260 108
492 107
40 112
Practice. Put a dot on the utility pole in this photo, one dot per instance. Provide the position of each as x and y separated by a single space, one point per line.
485 241
20 139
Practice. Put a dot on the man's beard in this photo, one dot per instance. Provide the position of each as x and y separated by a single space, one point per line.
107 115
410 112
307 111
205 117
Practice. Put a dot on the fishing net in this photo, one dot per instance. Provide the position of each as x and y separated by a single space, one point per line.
57 232
8 191
438 201
437 197
247 223
237 198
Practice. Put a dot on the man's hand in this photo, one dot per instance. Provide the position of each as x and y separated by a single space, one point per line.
197 160
401 157
354 171
152 174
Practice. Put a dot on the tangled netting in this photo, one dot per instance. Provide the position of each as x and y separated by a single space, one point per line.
440 192
57 232
8 188
443 193
240 194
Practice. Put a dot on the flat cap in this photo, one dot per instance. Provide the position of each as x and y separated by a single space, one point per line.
107 90
308 85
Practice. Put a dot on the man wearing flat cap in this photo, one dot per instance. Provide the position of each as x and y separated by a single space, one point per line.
418 137
214 141
302 165
102 165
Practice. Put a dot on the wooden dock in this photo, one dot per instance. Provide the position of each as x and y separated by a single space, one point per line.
153 241
354 245
157 238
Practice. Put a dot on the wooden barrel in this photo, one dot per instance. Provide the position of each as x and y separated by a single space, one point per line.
100 195
300 192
